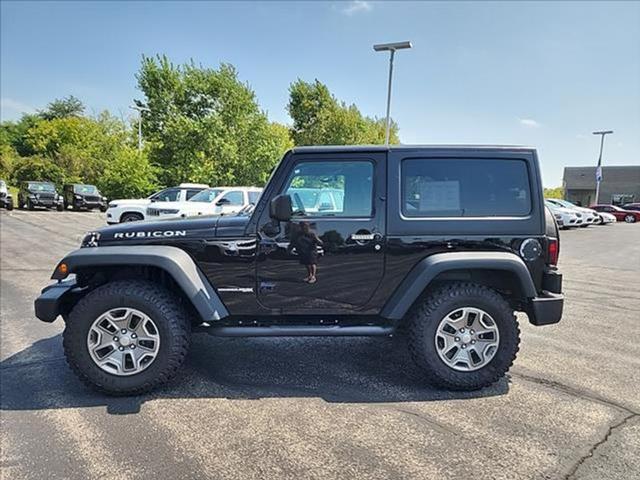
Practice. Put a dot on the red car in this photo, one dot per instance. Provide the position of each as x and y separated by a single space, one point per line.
628 216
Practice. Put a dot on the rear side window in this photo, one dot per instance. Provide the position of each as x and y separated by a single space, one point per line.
476 187
192 191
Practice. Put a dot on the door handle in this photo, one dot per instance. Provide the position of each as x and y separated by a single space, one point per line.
362 237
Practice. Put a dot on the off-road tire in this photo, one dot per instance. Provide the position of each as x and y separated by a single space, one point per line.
131 217
426 317
29 205
103 209
9 205
152 299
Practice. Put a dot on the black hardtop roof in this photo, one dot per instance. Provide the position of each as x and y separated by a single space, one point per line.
79 185
386 148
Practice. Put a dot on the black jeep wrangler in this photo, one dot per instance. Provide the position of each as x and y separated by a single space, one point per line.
443 242
78 196
39 194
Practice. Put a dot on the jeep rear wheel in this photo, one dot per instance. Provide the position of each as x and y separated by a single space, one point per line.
464 337
126 337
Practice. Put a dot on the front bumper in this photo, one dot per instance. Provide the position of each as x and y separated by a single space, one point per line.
546 308
54 298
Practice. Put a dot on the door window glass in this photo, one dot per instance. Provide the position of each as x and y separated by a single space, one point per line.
234 198
331 189
465 188
168 195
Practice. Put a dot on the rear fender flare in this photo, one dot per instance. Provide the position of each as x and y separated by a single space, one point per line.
429 268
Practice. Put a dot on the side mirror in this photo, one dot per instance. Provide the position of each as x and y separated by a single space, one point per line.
280 208
223 201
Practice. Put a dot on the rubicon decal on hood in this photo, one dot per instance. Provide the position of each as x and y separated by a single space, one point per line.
156 234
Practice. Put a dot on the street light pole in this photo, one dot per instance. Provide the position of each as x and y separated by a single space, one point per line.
139 109
391 48
602 134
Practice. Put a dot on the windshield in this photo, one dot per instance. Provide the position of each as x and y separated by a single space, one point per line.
85 189
206 196
41 187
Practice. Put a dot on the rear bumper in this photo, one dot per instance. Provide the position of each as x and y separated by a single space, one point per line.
546 308
53 299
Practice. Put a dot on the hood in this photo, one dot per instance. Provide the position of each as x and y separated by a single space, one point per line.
167 232
586 210
132 201
562 210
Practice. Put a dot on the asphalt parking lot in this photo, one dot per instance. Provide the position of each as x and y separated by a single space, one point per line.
329 408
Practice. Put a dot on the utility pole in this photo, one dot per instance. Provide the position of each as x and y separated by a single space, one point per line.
390 47
602 134
139 110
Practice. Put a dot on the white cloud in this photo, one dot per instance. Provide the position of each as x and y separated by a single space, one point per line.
357 6
15 106
529 123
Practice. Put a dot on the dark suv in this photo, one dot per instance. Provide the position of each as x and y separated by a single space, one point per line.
445 242
39 194
78 196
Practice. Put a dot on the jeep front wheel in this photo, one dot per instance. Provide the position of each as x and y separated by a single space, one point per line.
126 337
464 337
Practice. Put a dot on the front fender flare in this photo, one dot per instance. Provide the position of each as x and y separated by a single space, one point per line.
175 261
429 268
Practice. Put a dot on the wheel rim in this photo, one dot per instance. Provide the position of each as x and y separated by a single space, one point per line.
629 218
467 339
123 341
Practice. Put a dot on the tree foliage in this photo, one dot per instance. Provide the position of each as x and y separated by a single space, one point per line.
557 192
38 168
320 119
63 108
205 125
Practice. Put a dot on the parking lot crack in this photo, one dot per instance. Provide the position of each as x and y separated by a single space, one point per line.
612 428
586 395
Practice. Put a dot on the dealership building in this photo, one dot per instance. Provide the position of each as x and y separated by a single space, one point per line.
619 185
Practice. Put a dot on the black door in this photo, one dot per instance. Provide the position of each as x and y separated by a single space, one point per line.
337 232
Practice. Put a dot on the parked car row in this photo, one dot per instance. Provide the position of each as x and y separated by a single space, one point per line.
569 215
38 194
185 200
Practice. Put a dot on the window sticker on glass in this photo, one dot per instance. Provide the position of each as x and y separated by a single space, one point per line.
440 196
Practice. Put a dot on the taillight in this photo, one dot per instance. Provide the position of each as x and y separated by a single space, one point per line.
553 251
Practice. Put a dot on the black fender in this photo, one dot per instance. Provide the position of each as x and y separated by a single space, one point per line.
173 260
429 268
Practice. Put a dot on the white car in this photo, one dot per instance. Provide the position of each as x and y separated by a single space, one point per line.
568 218
606 218
131 210
589 216
212 201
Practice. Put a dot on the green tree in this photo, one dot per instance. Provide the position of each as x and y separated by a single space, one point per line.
82 147
63 108
557 192
205 125
320 119
128 175
38 168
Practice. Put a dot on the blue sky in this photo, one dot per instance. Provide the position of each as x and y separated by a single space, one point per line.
544 74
